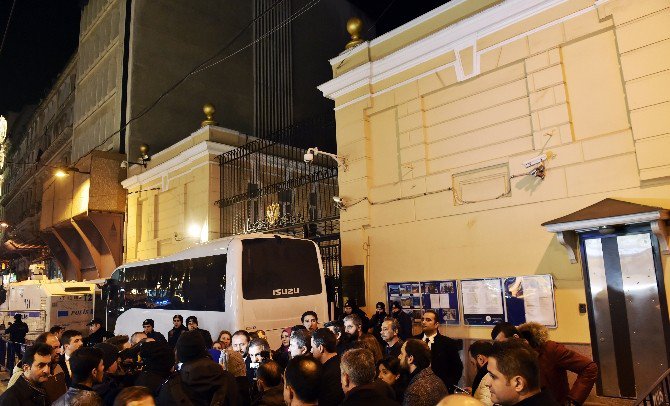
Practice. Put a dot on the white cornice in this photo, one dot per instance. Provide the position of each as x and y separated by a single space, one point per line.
607 221
449 39
184 158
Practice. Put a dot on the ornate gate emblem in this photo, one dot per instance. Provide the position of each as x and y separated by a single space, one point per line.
272 213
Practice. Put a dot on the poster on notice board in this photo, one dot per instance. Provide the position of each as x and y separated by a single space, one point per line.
530 298
482 301
408 294
441 296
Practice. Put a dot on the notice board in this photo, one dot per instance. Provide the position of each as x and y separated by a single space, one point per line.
483 303
441 296
530 298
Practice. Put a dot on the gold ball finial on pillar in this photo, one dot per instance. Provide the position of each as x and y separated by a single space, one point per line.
354 27
209 111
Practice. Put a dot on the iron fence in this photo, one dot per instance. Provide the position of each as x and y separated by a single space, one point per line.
266 186
659 394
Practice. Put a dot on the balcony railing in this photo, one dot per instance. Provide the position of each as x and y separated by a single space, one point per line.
659 394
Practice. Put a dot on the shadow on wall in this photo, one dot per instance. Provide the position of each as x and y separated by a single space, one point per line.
555 261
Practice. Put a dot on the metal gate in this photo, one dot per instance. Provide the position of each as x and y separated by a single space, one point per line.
267 187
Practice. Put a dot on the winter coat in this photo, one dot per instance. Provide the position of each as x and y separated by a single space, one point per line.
200 382
555 360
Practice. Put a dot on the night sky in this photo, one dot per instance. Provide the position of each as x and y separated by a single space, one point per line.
43 35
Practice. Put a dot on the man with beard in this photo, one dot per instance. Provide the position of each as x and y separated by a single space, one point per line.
479 358
353 326
350 307
28 389
445 361
424 388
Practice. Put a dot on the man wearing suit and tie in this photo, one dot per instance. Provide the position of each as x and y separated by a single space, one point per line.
445 360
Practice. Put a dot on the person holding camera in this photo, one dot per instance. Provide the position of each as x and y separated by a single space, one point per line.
259 353
199 380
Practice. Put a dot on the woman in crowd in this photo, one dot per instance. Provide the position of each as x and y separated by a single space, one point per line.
369 342
225 338
281 354
388 370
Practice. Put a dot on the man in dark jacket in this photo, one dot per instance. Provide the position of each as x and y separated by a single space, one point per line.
269 382
350 307
97 334
17 331
177 328
358 375
515 376
17 336
87 369
111 383
71 340
445 360
148 326
55 386
200 380
28 390
424 387
301 381
376 321
158 360
404 321
324 347
192 324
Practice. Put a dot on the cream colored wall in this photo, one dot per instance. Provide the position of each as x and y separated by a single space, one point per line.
159 220
588 84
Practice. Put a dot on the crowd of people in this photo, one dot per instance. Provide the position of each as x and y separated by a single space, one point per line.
354 360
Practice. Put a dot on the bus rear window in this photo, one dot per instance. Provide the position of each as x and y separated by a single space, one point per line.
279 267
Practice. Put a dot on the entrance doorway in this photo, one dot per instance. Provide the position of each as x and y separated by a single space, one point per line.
628 312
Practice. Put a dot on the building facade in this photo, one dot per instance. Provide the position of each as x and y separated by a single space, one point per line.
438 118
39 139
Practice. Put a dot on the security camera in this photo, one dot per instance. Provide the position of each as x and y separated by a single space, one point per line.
124 164
309 155
312 152
339 203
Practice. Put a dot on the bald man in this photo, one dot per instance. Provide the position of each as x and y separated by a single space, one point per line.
460 400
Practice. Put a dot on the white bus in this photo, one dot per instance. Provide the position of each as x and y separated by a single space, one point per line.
247 282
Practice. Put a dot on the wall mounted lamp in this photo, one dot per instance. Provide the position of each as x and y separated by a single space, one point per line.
64 171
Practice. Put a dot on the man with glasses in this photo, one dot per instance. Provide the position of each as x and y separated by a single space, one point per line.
148 326
177 329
